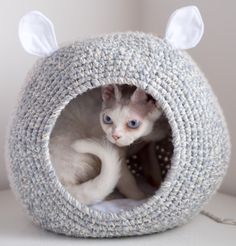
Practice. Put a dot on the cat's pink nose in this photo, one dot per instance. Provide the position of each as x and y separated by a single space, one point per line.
115 136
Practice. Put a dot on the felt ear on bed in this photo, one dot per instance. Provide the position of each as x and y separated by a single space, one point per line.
185 28
37 35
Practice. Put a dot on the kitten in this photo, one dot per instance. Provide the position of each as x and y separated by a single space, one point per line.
129 114
89 168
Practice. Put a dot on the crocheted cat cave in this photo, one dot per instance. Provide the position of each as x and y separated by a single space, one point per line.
200 139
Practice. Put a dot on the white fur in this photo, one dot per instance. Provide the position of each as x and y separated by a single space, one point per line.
97 189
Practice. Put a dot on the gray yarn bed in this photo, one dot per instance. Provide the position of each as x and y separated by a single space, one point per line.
200 138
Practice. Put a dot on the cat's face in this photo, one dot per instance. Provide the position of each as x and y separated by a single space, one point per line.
126 118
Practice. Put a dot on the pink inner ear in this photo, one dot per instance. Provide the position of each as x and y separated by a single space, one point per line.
111 91
139 96
107 92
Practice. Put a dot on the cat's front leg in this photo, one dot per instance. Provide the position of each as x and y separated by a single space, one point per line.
127 184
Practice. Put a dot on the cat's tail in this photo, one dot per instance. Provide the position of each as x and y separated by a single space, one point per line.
97 189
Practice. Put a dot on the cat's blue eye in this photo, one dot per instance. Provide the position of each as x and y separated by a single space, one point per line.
107 119
134 124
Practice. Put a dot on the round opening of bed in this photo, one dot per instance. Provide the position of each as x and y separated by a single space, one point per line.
144 162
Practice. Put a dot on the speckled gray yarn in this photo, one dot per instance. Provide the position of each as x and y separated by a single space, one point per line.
200 136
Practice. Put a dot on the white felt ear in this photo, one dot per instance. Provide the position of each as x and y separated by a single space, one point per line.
37 35
185 28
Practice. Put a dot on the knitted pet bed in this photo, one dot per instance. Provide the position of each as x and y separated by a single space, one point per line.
200 140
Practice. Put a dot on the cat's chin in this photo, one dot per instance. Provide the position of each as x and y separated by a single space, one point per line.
120 145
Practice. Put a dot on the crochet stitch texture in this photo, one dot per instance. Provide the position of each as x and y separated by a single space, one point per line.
200 136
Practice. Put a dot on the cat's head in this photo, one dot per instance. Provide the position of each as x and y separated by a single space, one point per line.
127 114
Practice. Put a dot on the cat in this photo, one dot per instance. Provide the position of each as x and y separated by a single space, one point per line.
78 172
89 142
133 120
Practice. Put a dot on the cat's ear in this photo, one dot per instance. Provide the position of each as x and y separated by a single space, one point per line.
185 28
139 96
37 35
111 92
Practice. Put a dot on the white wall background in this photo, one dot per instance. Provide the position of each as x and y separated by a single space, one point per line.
73 19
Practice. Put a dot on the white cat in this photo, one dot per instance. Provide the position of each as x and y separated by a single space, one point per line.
91 167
